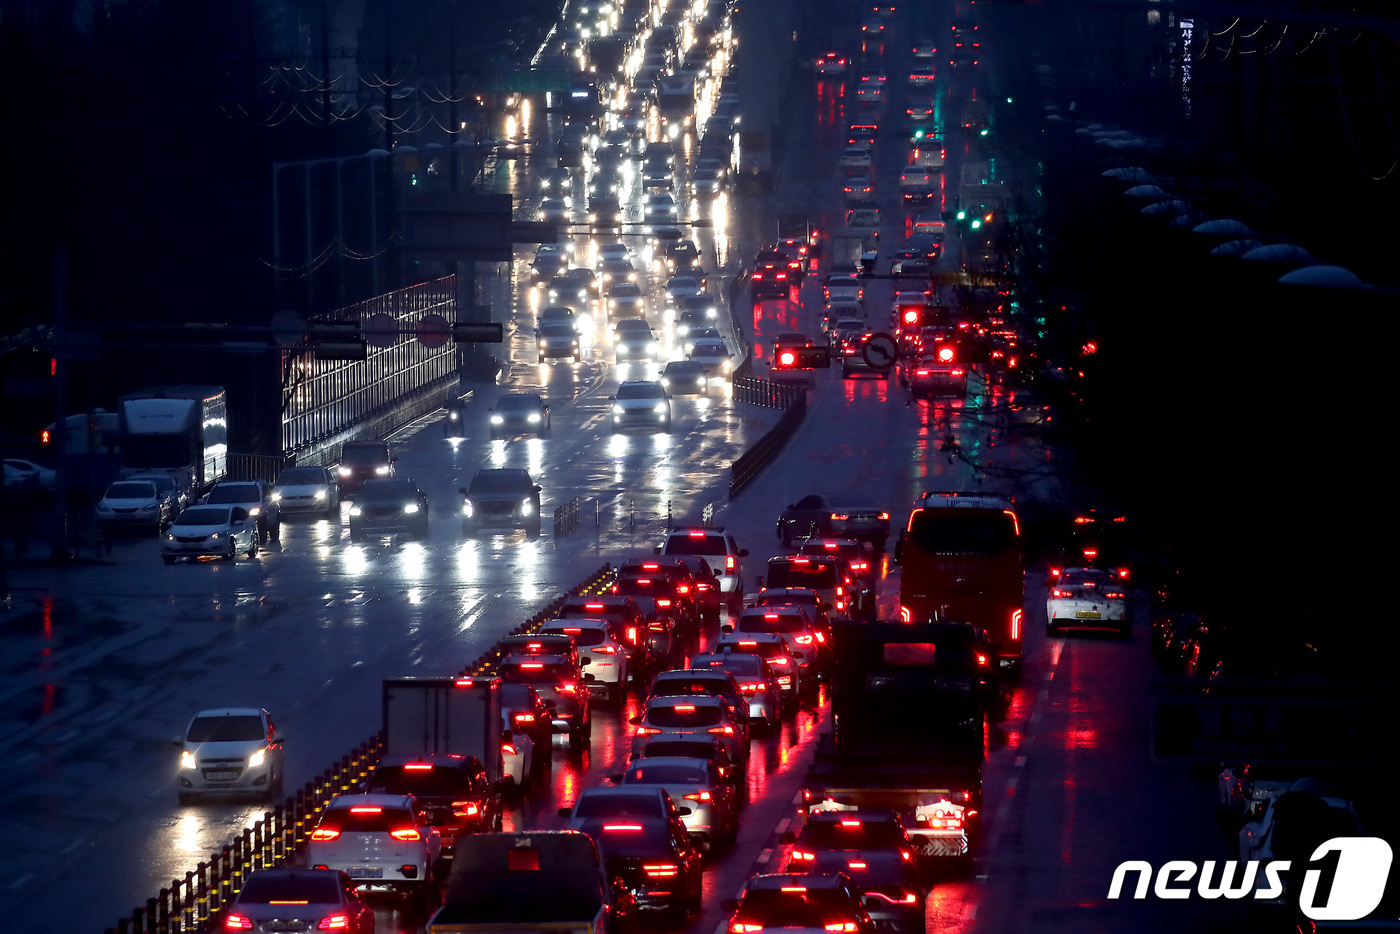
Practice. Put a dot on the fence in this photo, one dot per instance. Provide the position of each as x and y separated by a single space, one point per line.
264 467
744 470
767 393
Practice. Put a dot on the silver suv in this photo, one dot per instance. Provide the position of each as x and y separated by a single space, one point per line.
719 549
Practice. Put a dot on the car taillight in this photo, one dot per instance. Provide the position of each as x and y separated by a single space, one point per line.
728 563
784 680
841 926
568 687
698 796
1123 573
660 870
1114 595
750 687
237 923
631 633
647 731
468 808
334 923
602 650
742 927
408 834
1055 572
804 640
682 589
725 730
324 833
982 660
507 749
663 602
524 718
622 827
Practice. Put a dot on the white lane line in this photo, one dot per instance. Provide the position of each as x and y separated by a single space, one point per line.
763 856
21 881
1011 784
1055 654
73 846
782 826
1020 762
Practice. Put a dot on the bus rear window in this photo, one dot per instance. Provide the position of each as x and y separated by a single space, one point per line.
953 532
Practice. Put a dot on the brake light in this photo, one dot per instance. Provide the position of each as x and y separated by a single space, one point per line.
532 665
568 687
746 642
418 767
726 730
856 865
660 870
507 749
982 660
407 834
907 899
740 927
237 923
911 317
1114 595
287 901
850 823
1123 573
698 796
750 687
728 563
631 633
696 534
468 808
621 827
324 833
663 602
1091 553
683 588
524 718
841 926
593 606
784 680
1056 592
804 640
366 809
685 708
906 615
603 650
334 923
794 888
647 731
803 855
821 638
1055 572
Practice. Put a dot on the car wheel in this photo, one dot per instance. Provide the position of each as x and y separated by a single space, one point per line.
252 546
277 531
577 739
168 559
533 531
229 554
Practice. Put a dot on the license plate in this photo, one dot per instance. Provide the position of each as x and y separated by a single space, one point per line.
1087 614
220 776
365 872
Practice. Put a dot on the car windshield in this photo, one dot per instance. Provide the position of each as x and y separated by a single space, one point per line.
200 515
583 637
695 545
679 749
682 368
265 888
518 404
363 455
629 838
639 391
367 818
684 715
671 773
739 665
302 475
230 729
560 329
234 493
500 481
534 673
632 804
792 574
679 687
132 490
387 491
419 779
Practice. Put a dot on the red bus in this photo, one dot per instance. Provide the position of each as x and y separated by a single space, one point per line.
962 561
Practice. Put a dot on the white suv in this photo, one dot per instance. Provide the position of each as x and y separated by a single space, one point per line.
382 842
719 549
230 750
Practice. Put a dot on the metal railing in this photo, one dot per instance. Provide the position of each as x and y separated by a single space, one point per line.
566 518
767 393
264 467
744 470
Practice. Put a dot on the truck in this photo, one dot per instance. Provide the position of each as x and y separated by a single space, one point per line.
445 717
847 245
182 430
521 883
979 189
675 102
908 705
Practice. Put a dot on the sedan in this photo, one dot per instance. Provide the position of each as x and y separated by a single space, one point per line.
210 531
625 300
682 286
133 504
28 473
558 341
714 356
856 157
696 784
302 490
690 717
520 413
834 517
634 340
387 506
383 842
757 681
299 900
685 378
554 211
1087 597
641 402
656 859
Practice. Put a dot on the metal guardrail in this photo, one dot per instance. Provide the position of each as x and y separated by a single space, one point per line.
264 467
767 393
744 470
566 518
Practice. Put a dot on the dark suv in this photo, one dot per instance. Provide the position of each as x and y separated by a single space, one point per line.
361 461
457 794
501 497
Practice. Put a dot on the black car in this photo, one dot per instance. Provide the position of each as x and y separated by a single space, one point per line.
526 713
834 517
821 901
361 461
656 859
299 900
386 507
455 792
257 498
519 413
501 497
685 378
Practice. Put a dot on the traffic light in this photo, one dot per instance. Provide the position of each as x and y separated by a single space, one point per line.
917 315
803 358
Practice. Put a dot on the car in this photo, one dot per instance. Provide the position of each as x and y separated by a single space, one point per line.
133 505
718 547
626 300
210 531
685 378
453 792
501 497
518 758
1100 539
714 356
286 899
25 473
770 278
858 188
702 305
641 402
527 715
605 211
614 251
656 174
862 133
549 261
1087 598
256 497
843 289
557 182
708 597
828 575
362 460
603 658
933 376
858 554
384 843
924 50
230 750
633 340
671 618
713 682
576 288
687 322
772 648
799 630
811 903
682 285
872 25
831 65
691 716
856 157
656 860
697 334
660 208
558 341
834 516
709 180
520 413
616 270
553 211
307 490
697 785
708 747
560 685
836 830
626 616
646 802
168 489
873 850
387 507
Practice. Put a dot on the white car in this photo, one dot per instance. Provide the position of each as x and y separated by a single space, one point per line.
27 473
517 754
844 290
133 504
689 716
792 623
602 656
1087 597
714 356
311 490
625 300
856 157
773 649
210 531
660 209
554 211
380 841
633 340
718 547
617 251
679 287
695 784
643 403
230 750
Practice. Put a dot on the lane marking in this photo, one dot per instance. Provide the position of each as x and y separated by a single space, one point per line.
763 856
21 881
1020 761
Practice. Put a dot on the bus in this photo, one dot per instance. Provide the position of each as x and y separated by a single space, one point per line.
962 561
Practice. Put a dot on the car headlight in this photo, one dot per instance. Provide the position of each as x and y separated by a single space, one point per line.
276 497
345 471
214 536
169 536
500 419
652 345
618 410
725 366
534 418
320 495
665 381
103 507
187 760
467 509
382 470
356 511
257 758
660 408
527 507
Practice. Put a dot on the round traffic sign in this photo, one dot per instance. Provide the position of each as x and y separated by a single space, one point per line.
381 330
288 329
433 331
880 351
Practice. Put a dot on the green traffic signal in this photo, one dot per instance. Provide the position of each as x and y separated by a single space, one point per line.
976 223
962 215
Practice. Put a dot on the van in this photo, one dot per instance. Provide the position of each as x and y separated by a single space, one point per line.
361 461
